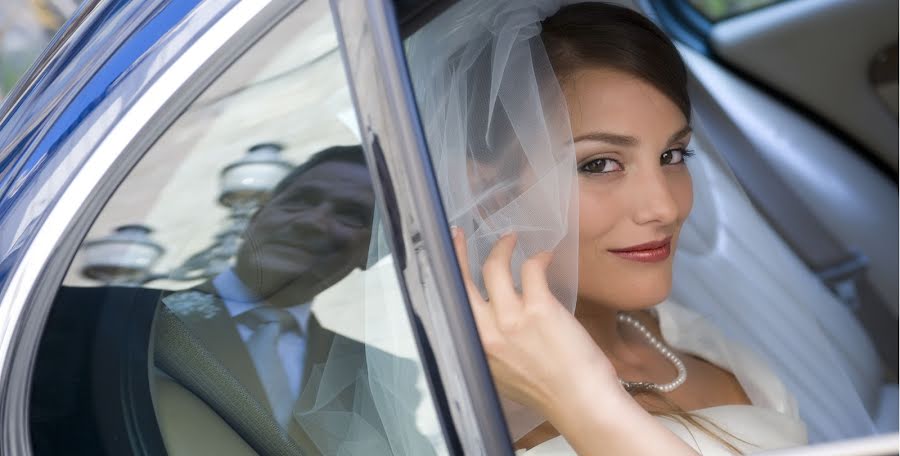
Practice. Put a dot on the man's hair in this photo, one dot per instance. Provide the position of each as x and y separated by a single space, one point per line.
349 154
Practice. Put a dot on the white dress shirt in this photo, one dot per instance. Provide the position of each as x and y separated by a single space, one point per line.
291 344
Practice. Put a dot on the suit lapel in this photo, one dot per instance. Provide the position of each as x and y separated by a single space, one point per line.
349 392
318 346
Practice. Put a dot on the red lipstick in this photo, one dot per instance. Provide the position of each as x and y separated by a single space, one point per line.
650 252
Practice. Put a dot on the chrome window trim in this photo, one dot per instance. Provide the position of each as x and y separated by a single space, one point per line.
382 94
33 283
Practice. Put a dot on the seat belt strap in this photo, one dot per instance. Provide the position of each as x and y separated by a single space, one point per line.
179 354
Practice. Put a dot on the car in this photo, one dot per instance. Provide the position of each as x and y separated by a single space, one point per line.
150 136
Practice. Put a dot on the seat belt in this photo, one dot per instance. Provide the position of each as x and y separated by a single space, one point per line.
842 268
179 354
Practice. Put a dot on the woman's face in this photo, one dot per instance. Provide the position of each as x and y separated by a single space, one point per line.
634 189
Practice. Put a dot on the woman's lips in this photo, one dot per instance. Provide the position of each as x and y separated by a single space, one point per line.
651 252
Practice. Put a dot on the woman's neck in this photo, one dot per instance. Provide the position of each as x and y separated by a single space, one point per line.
603 327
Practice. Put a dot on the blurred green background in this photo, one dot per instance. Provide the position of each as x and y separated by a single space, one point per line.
720 9
26 26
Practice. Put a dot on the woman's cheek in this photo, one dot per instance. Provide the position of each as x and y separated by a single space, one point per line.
683 193
597 217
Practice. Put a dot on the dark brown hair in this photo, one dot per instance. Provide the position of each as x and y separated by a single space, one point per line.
594 34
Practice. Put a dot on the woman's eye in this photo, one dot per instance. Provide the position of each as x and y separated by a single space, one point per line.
601 165
674 156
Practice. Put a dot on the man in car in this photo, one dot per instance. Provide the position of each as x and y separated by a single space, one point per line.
256 318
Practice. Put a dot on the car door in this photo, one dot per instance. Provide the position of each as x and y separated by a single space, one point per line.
186 140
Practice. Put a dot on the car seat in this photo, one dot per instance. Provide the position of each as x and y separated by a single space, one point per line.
729 251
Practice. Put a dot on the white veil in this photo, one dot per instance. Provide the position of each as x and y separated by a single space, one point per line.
497 129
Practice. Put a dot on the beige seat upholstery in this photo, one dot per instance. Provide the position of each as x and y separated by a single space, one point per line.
189 426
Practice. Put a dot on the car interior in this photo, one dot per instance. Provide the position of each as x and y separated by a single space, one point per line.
806 132
827 187
801 160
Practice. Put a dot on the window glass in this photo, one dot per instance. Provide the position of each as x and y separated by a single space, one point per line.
237 294
720 9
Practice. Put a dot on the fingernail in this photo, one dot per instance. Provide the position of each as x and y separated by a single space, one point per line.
454 231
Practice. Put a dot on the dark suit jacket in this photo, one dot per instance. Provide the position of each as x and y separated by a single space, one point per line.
352 395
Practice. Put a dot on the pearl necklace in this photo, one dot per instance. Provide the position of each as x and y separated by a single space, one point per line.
660 347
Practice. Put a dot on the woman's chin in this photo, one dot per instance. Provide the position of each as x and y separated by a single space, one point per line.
641 304
630 295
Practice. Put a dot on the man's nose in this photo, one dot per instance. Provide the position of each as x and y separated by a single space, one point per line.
654 202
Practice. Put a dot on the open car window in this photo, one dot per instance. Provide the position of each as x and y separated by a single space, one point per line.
755 277
238 294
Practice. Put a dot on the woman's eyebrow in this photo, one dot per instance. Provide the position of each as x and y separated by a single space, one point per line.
611 138
624 140
680 134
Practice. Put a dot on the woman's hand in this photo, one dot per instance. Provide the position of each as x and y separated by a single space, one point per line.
542 357
539 354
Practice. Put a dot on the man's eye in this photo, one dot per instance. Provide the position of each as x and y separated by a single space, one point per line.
354 217
601 165
675 156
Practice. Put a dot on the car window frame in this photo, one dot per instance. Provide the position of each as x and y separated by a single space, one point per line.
49 253
688 24
34 281
430 273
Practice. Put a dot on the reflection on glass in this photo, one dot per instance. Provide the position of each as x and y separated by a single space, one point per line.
305 312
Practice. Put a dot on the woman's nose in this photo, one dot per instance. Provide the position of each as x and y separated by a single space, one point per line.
654 202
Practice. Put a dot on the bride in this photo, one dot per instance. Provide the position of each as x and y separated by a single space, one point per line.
560 137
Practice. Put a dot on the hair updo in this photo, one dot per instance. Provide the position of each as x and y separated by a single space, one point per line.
602 35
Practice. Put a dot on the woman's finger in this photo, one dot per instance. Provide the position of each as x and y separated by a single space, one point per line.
535 286
484 318
498 279
462 255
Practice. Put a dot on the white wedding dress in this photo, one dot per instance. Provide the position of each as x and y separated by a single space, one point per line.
771 422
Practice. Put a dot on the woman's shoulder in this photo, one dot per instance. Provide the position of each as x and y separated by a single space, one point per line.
688 331
748 428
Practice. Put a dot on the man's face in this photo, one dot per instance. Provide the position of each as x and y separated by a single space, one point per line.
312 233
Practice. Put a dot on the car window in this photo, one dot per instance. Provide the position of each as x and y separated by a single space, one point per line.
237 294
716 10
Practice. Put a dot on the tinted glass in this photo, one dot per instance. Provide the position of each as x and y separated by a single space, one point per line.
237 294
